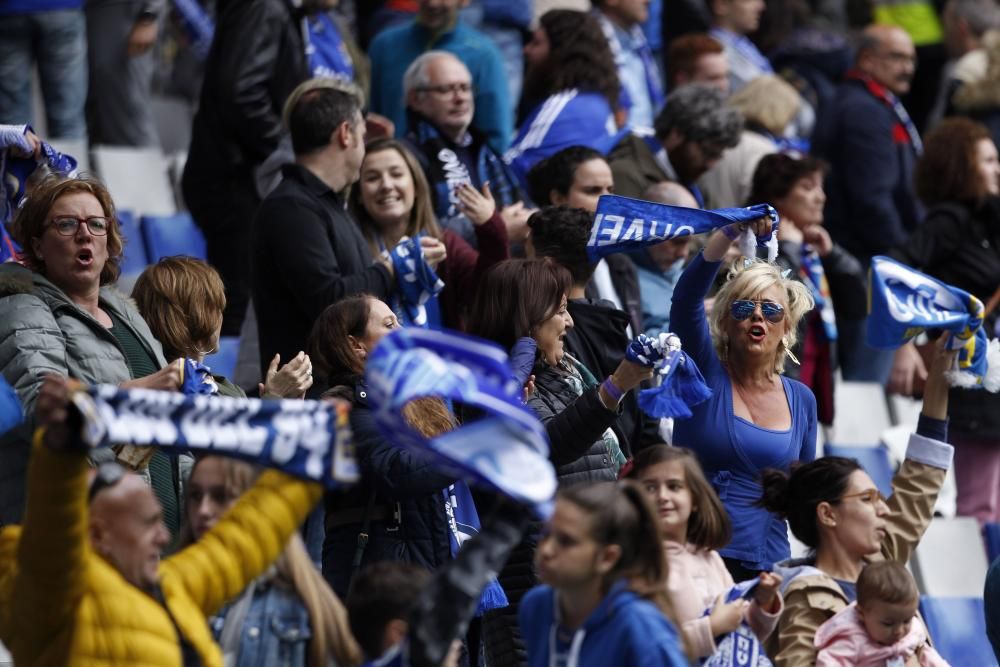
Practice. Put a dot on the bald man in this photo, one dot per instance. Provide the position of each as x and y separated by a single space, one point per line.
659 266
81 581
872 147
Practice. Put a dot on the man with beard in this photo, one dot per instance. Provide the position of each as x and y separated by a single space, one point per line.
691 132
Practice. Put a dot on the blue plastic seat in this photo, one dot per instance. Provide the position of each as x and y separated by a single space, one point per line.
958 629
170 235
134 259
875 461
991 535
223 362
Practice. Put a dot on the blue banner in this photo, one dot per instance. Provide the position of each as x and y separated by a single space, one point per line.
506 451
622 224
307 439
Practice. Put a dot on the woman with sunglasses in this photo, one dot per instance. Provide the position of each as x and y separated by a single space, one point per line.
60 315
834 507
756 418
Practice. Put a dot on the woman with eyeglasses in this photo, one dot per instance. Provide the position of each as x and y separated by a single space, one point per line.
60 315
756 417
835 509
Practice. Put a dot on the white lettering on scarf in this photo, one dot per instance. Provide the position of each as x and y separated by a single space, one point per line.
455 174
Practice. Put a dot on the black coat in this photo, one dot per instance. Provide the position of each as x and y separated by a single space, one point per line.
420 536
256 60
308 254
960 245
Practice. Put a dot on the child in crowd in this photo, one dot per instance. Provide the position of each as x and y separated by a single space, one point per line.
604 601
880 628
694 525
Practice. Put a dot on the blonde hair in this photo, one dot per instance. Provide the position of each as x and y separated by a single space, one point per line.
746 282
181 299
331 631
768 101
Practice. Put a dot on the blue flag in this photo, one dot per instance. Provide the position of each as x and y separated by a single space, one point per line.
622 224
904 302
506 451
307 439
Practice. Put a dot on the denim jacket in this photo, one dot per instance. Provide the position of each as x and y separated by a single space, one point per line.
275 632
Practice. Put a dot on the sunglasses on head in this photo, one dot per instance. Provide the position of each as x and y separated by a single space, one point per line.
744 308
108 474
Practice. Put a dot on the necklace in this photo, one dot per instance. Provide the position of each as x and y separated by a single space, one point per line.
750 408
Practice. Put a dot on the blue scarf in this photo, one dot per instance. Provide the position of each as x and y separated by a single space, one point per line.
681 386
622 224
196 379
307 439
11 413
416 279
653 86
904 302
815 279
15 170
739 648
506 451
463 519
325 48
746 48
198 25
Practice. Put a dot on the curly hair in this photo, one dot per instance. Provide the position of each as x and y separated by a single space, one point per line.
31 219
947 169
579 57
561 234
745 282
699 112
776 174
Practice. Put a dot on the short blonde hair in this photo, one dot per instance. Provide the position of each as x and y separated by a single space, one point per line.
181 299
746 281
768 101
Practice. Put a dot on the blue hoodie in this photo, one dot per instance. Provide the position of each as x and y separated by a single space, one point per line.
624 630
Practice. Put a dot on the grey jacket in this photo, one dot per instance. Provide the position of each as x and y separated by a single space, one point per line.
42 332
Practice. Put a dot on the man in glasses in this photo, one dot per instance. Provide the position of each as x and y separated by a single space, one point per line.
82 581
441 101
437 26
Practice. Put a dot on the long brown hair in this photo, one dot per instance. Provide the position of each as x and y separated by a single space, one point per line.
946 172
422 218
331 632
709 526
335 361
30 220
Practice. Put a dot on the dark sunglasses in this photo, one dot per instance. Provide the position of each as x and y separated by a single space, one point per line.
744 308
108 474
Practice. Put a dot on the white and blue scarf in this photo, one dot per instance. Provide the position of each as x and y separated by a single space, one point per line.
622 224
653 86
307 439
815 279
681 385
198 25
904 302
326 50
416 279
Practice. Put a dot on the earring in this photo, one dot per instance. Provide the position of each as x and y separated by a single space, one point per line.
788 351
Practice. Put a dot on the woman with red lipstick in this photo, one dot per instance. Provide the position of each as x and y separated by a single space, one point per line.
834 507
756 418
60 314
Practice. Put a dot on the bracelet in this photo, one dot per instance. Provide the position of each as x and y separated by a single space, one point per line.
612 390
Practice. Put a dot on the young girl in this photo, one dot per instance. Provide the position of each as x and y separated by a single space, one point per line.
289 614
879 629
694 525
604 601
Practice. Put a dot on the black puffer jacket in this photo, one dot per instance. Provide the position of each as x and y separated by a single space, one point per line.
575 425
404 486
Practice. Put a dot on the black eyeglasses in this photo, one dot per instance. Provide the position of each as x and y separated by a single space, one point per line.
449 89
108 474
744 308
66 225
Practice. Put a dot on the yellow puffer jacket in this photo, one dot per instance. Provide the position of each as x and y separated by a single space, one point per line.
62 604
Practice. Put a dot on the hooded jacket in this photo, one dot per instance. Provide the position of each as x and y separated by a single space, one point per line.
625 630
62 604
812 597
42 331
843 642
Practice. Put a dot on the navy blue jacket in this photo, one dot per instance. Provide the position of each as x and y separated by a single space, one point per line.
871 205
624 630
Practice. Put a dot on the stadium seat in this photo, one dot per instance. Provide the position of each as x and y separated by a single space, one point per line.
223 362
172 235
991 535
862 413
135 258
958 629
950 560
874 459
137 178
